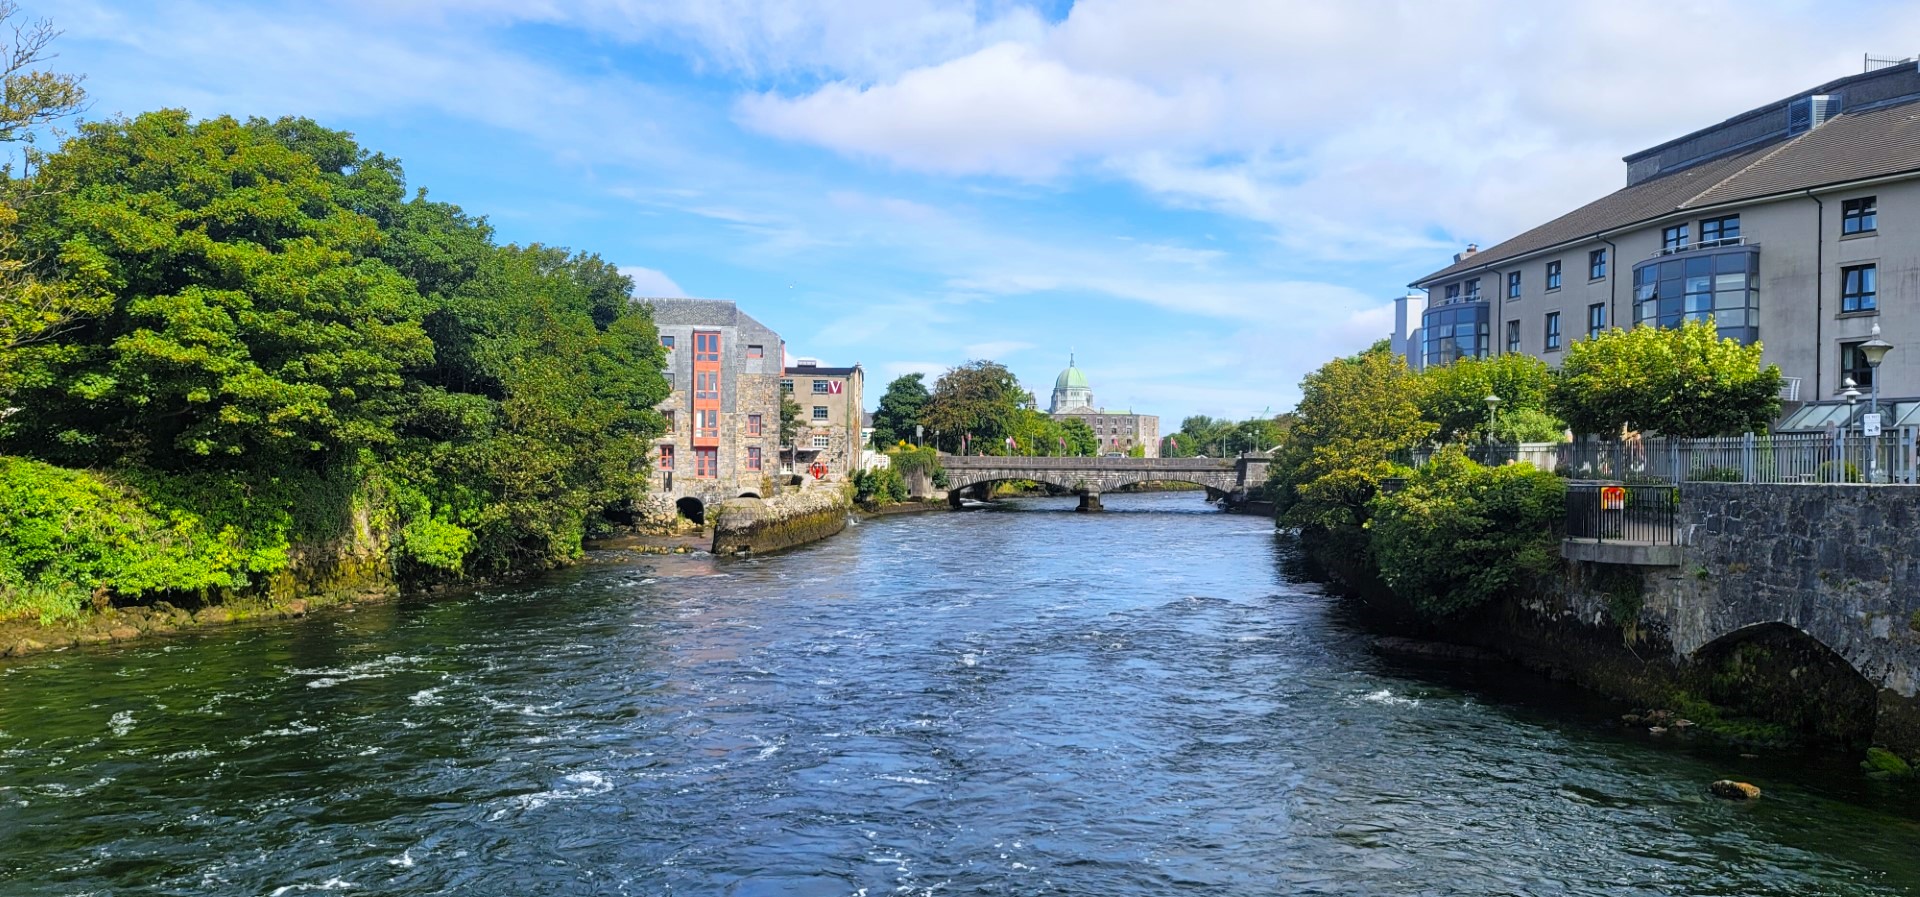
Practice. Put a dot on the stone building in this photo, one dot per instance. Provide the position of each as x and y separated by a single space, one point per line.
830 418
723 414
1118 431
1795 224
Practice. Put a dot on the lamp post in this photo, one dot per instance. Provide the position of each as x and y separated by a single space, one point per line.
1874 349
1852 395
1493 402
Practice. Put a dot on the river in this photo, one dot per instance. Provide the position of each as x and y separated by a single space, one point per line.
1019 701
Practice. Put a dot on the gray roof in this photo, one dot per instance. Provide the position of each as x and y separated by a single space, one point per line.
699 313
1849 147
821 371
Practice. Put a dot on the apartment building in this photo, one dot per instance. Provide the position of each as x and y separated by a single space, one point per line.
830 418
723 413
1795 224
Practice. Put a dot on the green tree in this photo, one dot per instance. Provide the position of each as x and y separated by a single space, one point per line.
1453 398
791 422
979 400
1081 440
1354 414
249 321
899 410
38 301
1683 381
1459 535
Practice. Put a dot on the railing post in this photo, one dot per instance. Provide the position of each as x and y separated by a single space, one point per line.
1747 458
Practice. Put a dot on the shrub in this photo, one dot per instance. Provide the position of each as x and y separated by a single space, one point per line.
1460 534
1839 472
69 535
1715 475
879 486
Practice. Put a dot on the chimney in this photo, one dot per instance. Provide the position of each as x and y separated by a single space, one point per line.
1473 249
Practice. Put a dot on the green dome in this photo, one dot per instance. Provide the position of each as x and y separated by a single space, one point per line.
1071 378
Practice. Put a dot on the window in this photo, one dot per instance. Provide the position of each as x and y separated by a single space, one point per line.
1553 330
753 425
1708 284
1473 290
666 457
1553 275
822 387
786 384
1453 292
1859 216
753 457
820 442
666 341
706 384
1596 264
1454 332
1853 363
667 416
1673 239
819 412
1596 319
754 351
1513 337
1715 231
1857 289
706 463
1513 285
707 424
706 346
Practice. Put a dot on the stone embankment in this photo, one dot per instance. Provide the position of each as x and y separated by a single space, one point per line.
758 526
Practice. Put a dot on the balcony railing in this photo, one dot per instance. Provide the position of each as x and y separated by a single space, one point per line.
1706 244
1608 512
1790 389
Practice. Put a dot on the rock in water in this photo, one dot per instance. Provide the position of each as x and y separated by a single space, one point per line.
1732 790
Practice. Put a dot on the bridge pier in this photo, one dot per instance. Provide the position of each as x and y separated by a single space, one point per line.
1090 503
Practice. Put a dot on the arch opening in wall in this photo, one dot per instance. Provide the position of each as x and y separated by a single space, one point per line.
749 495
1782 676
692 509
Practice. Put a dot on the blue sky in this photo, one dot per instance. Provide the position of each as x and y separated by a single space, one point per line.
1204 200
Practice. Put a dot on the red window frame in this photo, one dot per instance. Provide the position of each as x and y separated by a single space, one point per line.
753 457
666 457
706 384
706 346
706 463
707 423
754 425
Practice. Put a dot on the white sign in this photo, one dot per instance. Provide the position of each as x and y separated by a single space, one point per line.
1869 424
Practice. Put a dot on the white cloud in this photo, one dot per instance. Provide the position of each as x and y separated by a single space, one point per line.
652 283
997 349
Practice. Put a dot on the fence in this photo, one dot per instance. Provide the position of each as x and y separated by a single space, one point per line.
1608 512
1835 456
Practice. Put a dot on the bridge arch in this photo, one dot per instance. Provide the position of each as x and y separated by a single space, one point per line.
1768 670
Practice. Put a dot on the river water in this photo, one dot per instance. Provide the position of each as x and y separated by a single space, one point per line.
1021 701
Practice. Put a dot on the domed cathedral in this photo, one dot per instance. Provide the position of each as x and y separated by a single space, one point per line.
1070 391
1119 431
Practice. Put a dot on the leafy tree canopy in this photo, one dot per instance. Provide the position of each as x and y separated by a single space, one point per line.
900 409
980 400
249 320
1683 381
1453 397
1354 414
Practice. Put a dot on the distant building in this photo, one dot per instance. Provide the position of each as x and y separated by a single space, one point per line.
830 433
723 413
1118 431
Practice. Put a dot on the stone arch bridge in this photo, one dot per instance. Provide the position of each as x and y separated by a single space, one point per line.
1224 478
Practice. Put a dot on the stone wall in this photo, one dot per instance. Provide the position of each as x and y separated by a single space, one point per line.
757 526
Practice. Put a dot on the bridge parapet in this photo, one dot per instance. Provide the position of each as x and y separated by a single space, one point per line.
1221 477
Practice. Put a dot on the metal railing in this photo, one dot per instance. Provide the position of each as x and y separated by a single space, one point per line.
1838 456
1789 389
1613 512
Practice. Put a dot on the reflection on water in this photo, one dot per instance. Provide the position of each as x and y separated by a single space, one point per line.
1019 701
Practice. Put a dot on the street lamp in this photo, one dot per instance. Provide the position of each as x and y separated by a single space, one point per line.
1493 402
1874 350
